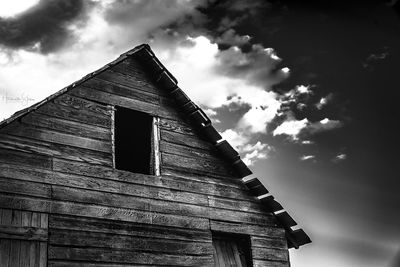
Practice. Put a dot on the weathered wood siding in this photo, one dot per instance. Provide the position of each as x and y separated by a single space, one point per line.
57 160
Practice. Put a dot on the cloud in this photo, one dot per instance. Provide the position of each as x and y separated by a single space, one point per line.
296 128
44 27
13 8
230 38
302 89
339 157
258 66
323 125
324 101
250 152
291 128
296 97
307 157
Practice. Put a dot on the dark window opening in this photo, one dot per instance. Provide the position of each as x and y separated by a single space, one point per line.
133 141
232 250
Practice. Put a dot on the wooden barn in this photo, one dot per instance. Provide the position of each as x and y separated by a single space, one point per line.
121 168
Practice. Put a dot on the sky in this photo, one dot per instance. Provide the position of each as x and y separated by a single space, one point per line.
306 93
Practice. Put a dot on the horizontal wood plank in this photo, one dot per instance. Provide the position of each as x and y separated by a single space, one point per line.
36 147
267 263
207 178
67 126
270 254
117 100
249 229
105 255
67 100
127 242
202 184
176 126
24 187
28 159
63 263
117 75
186 140
192 152
121 90
127 228
266 242
24 130
96 211
76 181
195 165
73 114
165 207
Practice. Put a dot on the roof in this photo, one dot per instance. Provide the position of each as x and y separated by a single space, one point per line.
166 81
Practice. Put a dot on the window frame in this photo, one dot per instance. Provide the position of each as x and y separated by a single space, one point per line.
155 160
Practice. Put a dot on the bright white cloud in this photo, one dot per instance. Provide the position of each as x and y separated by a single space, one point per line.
291 128
241 142
302 89
10 8
307 157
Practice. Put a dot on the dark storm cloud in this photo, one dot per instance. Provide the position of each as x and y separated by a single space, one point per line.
44 27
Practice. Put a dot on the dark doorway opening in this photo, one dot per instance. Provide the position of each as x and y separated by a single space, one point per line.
232 250
133 140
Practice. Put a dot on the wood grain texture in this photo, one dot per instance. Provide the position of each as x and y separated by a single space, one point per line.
121 90
23 238
268 263
265 242
126 228
138 203
270 254
195 165
186 140
27 159
56 178
74 114
42 148
177 126
63 263
67 126
42 134
192 152
97 211
23 233
80 104
118 76
249 229
117 256
202 185
117 100
127 242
